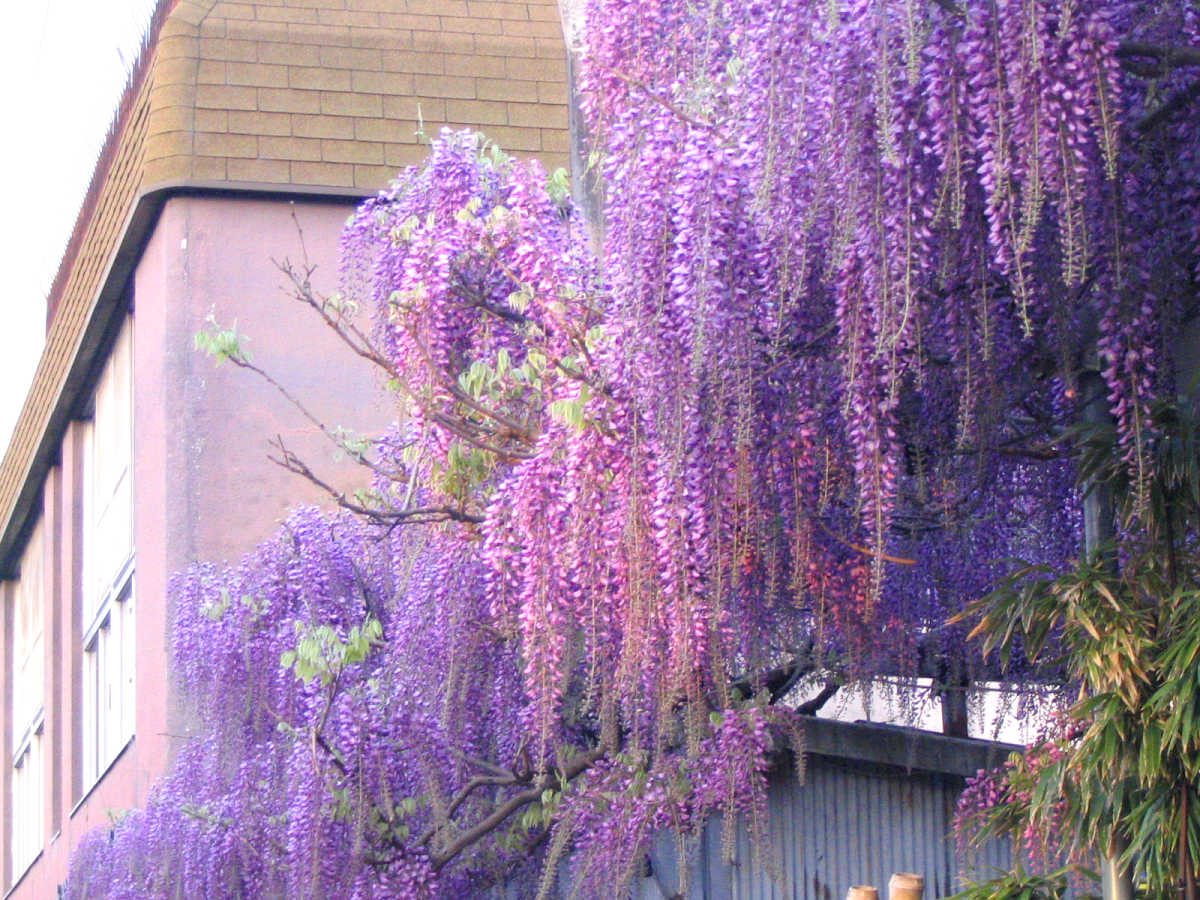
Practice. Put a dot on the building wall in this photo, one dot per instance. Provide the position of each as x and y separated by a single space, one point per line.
207 489
61 823
304 96
203 485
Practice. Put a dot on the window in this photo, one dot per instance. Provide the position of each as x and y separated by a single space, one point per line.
28 667
108 602
28 793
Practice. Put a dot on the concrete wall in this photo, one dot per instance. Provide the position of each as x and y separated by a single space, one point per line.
206 489
203 486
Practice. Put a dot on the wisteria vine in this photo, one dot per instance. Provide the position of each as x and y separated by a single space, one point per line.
859 263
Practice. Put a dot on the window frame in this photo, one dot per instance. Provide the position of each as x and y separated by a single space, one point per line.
107 625
109 680
27 710
27 793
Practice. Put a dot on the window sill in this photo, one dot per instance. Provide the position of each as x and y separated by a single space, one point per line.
99 778
34 729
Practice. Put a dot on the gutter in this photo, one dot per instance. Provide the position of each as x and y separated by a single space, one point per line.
907 749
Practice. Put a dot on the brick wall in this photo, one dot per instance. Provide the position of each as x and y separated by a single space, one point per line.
332 93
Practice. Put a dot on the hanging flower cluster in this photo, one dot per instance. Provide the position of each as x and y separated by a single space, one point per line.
858 261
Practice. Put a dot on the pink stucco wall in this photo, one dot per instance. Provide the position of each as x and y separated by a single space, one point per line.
203 486
203 428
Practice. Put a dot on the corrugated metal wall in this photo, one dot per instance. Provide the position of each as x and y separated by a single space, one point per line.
848 823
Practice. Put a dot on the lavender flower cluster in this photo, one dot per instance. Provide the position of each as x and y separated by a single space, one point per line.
856 258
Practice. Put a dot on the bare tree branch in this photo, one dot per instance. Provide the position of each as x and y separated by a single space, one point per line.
424 514
479 301
361 459
509 779
357 341
813 706
510 427
347 331
1173 104
949 7
573 769
1133 53
778 681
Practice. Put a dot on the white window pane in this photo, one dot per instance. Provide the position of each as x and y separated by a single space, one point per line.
28 662
108 621
108 515
112 532
104 645
27 814
92 592
112 686
113 418
87 726
90 715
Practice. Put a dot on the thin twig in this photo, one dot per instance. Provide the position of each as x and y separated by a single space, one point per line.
347 331
899 560
424 514
360 458
483 764
645 89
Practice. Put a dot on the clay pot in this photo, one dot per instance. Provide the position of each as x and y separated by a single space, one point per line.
862 892
906 886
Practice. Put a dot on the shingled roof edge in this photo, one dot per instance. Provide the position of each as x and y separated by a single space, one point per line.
108 149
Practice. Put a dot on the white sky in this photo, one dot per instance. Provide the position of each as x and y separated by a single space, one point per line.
62 69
